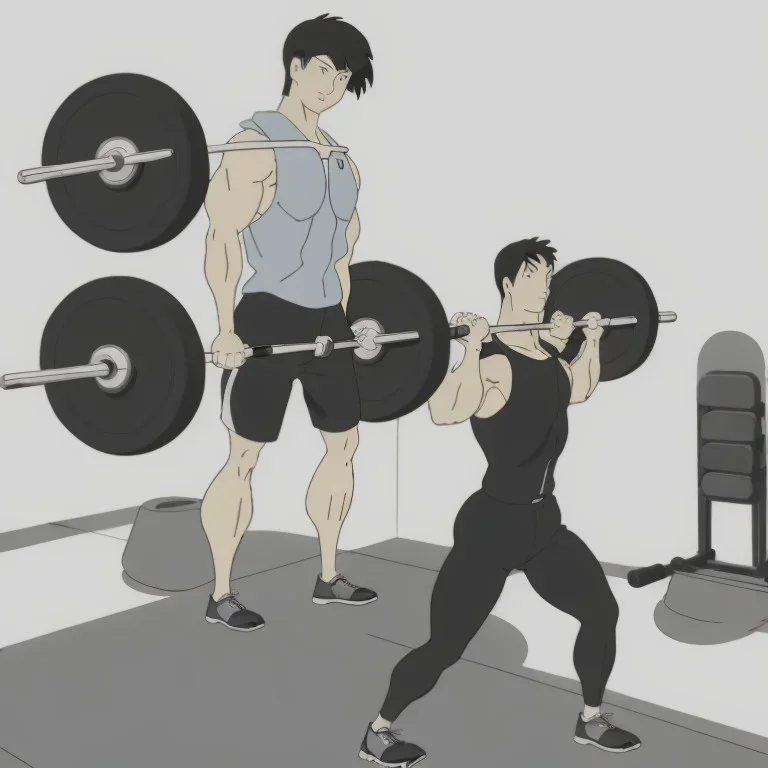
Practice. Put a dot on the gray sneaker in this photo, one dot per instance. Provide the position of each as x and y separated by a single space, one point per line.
230 612
600 732
385 748
341 591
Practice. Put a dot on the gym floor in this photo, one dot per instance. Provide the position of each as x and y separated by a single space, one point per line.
97 673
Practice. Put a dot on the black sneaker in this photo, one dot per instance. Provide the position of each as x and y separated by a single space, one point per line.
339 590
386 749
600 732
230 612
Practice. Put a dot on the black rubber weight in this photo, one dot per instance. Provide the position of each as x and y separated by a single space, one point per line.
165 351
407 374
164 196
613 289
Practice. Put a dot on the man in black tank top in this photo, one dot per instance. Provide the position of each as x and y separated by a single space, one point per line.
515 392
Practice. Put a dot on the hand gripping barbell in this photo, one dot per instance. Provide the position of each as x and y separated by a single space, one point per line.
140 347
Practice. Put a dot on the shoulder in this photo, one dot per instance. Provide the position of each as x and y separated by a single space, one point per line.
257 165
490 359
248 134
265 122
489 349
493 366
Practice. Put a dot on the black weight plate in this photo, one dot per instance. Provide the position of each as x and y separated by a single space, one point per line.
165 351
613 289
163 197
408 373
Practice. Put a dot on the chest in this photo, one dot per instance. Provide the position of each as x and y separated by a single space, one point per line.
303 184
537 389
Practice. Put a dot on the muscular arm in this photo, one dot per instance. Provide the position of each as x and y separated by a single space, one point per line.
353 234
232 202
585 371
461 393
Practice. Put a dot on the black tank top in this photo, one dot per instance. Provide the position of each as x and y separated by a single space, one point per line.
524 439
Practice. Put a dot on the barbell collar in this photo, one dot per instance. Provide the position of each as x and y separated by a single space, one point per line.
97 165
109 365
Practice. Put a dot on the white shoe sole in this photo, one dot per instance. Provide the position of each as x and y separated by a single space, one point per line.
236 629
372 759
324 601
591 743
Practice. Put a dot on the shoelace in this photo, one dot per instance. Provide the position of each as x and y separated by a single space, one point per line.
232 600
347 582
603 721
390 737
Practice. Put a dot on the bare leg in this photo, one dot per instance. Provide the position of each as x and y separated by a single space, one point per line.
228 508
330 494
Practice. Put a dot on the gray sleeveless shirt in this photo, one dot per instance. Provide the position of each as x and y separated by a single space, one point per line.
294 246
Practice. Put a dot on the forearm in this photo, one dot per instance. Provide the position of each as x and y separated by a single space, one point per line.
223 269
586 370
461 392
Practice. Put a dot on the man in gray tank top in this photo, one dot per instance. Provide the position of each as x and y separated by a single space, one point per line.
296 215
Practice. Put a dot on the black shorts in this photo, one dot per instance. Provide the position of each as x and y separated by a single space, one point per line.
255 396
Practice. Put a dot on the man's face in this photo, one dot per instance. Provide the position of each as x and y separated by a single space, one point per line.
530 290
319 85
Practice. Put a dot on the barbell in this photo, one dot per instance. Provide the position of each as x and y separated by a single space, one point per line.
127 162
123 365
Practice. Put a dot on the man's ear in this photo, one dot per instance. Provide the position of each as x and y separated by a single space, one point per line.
506 284
296 65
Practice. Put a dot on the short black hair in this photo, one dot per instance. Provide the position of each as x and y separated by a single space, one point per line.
330 36
512 256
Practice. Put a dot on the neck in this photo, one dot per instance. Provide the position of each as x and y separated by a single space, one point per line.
509 315
304 119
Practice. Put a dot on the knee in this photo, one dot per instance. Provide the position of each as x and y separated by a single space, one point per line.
440 654
609 611
598 614
342 447
243 458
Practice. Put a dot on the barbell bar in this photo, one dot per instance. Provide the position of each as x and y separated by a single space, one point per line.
108 365
455 332
115 159
665 316
147 362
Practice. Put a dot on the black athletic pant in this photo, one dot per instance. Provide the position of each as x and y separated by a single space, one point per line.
491 539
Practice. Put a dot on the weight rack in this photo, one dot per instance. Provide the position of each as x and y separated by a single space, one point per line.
731 469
